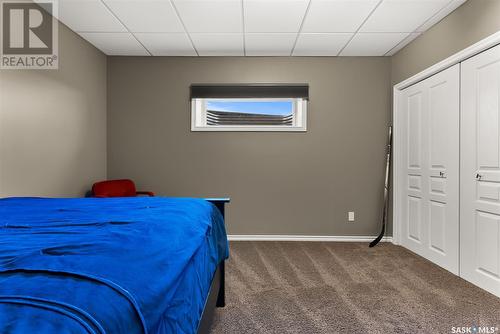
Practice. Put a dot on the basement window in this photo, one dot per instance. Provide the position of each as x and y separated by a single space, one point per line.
248 108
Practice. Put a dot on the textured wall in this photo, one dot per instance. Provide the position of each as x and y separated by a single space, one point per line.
279 183
53 123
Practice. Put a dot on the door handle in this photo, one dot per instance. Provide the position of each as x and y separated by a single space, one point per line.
478 176
441 174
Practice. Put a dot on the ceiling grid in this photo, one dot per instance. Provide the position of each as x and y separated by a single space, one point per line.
252 27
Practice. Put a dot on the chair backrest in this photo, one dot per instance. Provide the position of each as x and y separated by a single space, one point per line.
114 188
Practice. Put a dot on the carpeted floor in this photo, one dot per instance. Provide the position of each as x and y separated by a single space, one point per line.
315 287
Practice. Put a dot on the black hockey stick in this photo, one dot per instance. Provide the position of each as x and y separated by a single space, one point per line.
386 191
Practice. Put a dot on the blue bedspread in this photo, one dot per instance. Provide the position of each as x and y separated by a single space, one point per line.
118 265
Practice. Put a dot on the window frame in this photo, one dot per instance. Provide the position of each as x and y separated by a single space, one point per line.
199 116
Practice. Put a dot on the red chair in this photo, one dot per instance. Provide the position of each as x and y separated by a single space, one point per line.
117 188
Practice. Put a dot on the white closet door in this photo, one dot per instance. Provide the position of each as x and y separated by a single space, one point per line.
480 171
430 118
413 118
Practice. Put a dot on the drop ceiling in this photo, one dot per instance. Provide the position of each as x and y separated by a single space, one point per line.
252 27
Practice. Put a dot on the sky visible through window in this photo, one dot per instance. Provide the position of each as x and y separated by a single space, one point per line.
281 108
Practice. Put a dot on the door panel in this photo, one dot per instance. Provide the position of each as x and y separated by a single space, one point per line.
438 186
415 131
488 192
487 114
438 124
480 171
487 227
430 118
438 227
413 211
414 218
414 182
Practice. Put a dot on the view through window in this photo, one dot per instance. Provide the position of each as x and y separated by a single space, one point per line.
230 112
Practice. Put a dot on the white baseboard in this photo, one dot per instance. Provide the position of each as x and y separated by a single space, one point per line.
342 238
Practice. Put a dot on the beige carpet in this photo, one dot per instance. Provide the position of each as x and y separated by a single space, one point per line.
312 287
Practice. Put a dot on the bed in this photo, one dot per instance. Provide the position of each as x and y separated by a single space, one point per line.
113 265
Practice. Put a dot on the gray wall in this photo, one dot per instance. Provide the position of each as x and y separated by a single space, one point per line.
53 123
53 129
279 183
471 22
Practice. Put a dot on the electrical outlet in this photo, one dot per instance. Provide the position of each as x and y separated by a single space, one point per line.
350 216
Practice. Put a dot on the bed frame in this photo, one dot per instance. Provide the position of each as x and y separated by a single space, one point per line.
217 295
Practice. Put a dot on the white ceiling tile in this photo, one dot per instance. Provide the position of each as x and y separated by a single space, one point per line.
402 15
320 44
403 43
167 44
88 16
441 15
116 44
146 15
274 15
372 44
221 44
337 15
207 16
271 26
269 44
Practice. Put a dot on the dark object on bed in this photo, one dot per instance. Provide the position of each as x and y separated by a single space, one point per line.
107 266
117 188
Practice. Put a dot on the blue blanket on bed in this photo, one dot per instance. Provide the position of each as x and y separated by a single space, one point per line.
118 265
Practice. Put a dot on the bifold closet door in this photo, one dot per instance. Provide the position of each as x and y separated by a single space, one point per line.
480 171
430 124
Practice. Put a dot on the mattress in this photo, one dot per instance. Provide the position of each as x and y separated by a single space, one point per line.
115 265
